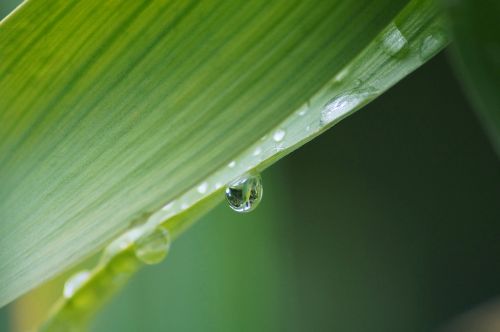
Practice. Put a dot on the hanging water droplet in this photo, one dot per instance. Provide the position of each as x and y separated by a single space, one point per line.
153 248
74 283
231 164
244 194
394 42
432 44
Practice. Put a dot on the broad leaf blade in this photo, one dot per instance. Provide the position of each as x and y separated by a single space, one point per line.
111 110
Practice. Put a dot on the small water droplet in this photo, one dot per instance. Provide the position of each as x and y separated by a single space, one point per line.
168 206
432 44
342 74
231 164
244 194
202 188
257 151
129 237
303 110
339 106
153 248
394 42
74 283
122 243
279 135
184 206
217 185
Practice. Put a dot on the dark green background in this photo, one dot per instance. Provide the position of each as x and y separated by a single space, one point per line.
390 221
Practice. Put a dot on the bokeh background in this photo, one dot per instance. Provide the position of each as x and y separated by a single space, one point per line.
390 221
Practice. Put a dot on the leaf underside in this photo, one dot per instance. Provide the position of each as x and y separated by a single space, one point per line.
109 110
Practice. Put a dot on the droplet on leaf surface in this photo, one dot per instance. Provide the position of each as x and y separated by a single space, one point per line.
74 283
154 247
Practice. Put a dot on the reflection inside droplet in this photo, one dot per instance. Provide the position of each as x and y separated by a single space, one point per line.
244 194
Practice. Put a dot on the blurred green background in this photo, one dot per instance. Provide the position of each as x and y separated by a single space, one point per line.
387 222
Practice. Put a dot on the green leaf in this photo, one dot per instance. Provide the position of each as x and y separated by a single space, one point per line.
113 112
476 28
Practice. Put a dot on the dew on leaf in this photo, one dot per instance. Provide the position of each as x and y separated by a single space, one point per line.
338 107
279 135
74 283
394 42
432 44
154 247
245 193
202 188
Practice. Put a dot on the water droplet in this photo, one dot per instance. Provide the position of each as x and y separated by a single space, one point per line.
257 151
74 283
217 185
202 188
342 74
339 106
120 244
168 206
184 206
432 44
231 164
126 239
303 110
244 194
394 42
279 135
153 248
